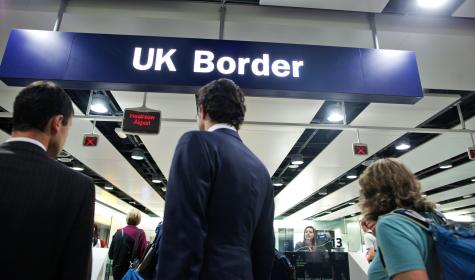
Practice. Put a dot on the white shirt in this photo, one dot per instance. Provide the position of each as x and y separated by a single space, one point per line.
29 140
221 125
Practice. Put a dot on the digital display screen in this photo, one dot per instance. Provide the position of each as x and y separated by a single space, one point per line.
146 121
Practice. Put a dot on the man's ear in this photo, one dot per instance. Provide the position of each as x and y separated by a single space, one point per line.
202 111
55 124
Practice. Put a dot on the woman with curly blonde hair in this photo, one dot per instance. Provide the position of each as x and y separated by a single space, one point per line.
407 250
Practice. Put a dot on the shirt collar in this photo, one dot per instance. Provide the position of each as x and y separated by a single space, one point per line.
221 125
28 140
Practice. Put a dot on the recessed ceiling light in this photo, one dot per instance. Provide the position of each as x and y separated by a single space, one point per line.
120 133
431 3
164 188
293 166
278 182
351 203
351 175
352 215
65 159
445 165
403 146
77 168
323 191
473 180
296 159
132 202
156 179
335 117
138 154
109 188
468 196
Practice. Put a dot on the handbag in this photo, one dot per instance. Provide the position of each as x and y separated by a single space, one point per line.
132 273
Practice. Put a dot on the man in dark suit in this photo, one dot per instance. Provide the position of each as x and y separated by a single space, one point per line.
218 222
47 209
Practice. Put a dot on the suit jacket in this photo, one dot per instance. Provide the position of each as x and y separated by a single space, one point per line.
47 216
218 222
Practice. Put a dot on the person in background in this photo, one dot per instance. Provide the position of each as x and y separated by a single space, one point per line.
219 213
407 250
123 243
46 207
369 238
96 241
308 243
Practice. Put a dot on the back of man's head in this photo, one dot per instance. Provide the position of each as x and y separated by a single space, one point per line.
223 101
37 103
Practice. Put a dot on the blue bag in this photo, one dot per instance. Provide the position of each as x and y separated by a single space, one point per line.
132 274
454 242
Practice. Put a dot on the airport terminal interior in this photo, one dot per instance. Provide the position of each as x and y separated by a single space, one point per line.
314 146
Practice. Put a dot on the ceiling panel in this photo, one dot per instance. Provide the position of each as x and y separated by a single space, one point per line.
457 204
373 6
457 192
328 166
417 159
270 144
467 9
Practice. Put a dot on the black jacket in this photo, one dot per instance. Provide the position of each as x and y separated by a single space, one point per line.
219 211
47 216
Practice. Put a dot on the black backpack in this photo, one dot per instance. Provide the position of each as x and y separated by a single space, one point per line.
282 269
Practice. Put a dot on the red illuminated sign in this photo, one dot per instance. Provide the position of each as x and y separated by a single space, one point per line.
141 120
471 153
360 149
90 140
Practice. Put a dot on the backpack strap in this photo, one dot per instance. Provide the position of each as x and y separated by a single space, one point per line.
136 244
414 217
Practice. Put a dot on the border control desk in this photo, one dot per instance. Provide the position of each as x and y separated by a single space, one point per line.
320 265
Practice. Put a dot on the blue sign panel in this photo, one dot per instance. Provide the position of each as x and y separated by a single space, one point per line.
142 63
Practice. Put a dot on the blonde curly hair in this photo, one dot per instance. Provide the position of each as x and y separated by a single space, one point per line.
388 184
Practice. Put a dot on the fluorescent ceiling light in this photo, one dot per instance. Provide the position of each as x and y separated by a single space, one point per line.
77 168
473 179
351 176
351 203
296 159
431 4
403 146
109 188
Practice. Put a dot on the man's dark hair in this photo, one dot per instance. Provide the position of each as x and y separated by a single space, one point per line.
223 101
37 103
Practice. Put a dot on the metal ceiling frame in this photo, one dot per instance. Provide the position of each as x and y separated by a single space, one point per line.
291 125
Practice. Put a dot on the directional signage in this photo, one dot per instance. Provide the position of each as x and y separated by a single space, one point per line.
90 140
143 63
360 149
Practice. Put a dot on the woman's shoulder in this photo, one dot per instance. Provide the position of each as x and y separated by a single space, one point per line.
393 222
